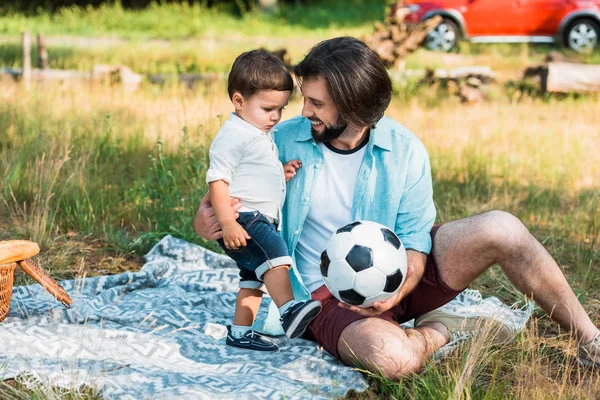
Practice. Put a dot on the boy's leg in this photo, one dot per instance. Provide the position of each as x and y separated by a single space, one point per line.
246 306
247 303
277 281
295 315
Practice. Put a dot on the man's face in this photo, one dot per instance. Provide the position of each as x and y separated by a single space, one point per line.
321 111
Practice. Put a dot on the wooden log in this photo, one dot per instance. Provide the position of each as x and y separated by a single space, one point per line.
566 77
42 52
26 45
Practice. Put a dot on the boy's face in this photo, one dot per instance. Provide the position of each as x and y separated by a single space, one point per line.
263 109
320 109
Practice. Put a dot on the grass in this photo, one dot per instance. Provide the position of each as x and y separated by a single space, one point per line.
181 20
97 176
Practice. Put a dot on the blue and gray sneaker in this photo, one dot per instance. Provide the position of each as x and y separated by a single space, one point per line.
296 318
250 341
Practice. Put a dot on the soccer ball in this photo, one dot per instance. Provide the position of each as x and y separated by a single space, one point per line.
363 262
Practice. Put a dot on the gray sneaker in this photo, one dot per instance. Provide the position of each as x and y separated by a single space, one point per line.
466 324
589 354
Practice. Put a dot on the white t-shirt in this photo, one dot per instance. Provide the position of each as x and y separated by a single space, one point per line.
247 159
331 208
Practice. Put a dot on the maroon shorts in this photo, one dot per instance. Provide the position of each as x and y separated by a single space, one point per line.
428 295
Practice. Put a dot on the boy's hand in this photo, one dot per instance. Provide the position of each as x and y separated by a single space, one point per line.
234 236
290 168
205 222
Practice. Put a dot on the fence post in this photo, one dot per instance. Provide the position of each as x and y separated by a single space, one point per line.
26 41
42 51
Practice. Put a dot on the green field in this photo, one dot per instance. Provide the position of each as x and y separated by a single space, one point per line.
97 176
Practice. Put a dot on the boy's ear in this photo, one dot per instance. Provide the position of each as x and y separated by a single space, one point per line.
238 100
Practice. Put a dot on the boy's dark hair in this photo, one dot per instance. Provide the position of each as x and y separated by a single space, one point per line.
356 79
258 70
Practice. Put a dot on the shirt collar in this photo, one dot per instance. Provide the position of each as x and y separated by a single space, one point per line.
247 126
379 136
305 134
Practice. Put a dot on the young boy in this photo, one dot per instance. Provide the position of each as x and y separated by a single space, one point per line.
244 163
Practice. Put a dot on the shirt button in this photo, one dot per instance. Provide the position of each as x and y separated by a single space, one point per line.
306 199
314 144
318 166
297 232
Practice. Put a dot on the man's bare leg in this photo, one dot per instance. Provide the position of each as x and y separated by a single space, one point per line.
463 250
384 347
466 248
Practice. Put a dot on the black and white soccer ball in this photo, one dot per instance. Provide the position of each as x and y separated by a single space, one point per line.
363 262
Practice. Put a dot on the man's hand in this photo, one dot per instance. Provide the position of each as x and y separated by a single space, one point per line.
234 236
205 222
380 307
290 168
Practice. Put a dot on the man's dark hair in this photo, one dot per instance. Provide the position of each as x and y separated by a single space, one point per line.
258 70
356 79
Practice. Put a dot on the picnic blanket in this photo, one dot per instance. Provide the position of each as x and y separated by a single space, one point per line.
159 333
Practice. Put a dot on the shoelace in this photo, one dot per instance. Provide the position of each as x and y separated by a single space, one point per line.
595 353
474 294
461 336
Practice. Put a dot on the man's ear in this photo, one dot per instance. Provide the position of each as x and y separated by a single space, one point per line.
238 101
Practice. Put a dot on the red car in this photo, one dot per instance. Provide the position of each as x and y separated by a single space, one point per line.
576 23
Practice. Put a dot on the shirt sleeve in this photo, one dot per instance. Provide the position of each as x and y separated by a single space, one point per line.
226 151
416 213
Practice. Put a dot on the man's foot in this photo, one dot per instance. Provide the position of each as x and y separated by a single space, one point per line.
250 341
464 325
589 354
297 317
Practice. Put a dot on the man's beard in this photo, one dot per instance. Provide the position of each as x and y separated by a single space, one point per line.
328 134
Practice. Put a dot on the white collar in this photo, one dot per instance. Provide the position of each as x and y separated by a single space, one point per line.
247 126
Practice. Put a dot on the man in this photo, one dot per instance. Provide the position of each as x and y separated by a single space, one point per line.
357 164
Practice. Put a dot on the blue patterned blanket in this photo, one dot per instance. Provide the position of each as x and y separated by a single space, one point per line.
159 333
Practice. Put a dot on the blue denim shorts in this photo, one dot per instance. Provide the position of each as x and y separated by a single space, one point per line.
264 251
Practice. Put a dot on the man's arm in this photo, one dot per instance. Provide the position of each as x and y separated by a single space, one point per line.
416 215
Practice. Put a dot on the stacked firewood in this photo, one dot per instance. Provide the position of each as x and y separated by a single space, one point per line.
394 39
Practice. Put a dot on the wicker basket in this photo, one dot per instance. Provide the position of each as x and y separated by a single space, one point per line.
15 252
6 285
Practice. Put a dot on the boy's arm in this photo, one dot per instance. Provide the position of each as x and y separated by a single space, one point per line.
290 168
234 235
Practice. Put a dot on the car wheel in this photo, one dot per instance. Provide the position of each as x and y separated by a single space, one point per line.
443 37
583 35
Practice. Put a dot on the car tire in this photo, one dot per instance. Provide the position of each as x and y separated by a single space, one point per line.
443 37
583 35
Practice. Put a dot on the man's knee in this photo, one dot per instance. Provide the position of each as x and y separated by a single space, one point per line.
392 363
505 232
382 348
399 365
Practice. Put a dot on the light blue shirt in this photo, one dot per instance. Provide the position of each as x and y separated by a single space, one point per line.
393 187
